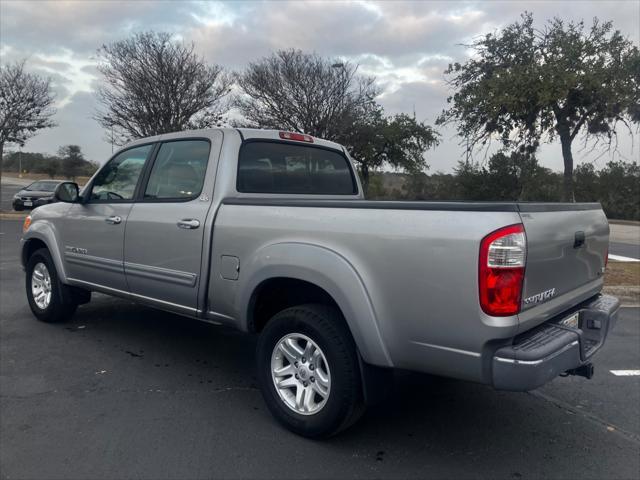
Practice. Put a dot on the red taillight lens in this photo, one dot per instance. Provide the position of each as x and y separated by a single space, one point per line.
298 137
501 271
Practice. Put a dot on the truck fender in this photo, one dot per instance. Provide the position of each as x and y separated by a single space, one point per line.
328 270
45 232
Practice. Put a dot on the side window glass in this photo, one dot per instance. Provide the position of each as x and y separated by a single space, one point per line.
118 179
179 170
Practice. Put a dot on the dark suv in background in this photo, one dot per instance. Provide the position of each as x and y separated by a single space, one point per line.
36 194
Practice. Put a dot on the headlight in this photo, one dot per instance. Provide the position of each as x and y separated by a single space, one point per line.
46 199
26 224
16 196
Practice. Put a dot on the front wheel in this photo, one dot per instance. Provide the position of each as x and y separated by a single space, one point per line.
49 299
308 370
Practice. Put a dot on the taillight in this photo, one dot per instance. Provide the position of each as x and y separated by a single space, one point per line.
501 270
299 137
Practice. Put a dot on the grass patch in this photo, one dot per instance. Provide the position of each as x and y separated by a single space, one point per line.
622 273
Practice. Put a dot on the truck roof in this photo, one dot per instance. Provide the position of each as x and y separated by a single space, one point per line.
246 133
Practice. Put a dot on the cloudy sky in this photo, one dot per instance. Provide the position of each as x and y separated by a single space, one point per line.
405 45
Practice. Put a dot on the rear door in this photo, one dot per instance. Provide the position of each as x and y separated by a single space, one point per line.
566 251
164 235
93 231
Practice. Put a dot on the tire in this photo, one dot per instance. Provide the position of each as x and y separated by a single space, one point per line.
61 304
325 328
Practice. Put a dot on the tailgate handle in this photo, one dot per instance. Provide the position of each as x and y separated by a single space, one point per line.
579 240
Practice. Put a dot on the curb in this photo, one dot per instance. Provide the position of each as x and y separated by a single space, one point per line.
625 222
629 295
13 215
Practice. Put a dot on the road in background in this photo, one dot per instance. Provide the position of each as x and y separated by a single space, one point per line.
127 391
624 250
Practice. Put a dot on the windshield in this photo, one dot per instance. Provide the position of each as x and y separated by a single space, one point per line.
42 186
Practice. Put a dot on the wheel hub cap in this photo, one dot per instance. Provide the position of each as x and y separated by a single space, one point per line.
41 286
301 374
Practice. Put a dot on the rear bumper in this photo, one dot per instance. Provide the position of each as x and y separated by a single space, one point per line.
543 353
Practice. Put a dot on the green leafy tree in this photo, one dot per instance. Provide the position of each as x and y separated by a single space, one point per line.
620 190
51 167
473 181
72 162
514 177
587 183
399 141
525 85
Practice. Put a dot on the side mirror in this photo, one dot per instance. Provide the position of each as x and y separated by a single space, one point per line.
67 192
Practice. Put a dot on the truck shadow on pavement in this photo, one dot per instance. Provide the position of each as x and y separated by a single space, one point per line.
427 424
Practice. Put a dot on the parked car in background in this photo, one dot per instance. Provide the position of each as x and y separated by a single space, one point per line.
36 194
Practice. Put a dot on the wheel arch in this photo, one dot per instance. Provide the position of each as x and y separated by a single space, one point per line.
321 275
42 236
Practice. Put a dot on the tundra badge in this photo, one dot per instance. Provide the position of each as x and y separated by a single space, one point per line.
540 297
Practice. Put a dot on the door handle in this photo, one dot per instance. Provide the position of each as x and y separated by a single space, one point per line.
113 220
188 223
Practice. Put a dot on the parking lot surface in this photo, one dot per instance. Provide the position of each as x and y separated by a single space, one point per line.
126 391
7 191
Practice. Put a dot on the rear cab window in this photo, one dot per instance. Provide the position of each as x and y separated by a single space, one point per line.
286 168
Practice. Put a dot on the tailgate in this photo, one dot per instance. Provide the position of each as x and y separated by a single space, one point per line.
566 249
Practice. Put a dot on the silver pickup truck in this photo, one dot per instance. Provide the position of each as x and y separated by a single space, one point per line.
268 232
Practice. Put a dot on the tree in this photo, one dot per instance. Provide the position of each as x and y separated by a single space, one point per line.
587 183
620 189
26 105
514 177
303 92
52 167
398 141
72 162
154 85
524 86
307 93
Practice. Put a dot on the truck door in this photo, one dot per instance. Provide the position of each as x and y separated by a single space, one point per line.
165 229
93 231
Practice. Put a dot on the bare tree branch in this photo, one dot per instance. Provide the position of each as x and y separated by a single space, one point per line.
154 85
26 104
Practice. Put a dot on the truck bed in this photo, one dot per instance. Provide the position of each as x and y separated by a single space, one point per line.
416 262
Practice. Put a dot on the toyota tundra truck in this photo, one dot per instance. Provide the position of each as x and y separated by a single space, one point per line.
268 232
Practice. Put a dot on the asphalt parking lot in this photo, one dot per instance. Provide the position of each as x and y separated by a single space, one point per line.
7 191
126 391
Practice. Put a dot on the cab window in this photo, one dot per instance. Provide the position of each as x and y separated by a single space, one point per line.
118 179
284 168
179 170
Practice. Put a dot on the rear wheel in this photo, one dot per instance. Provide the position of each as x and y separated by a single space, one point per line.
308 370
49 299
